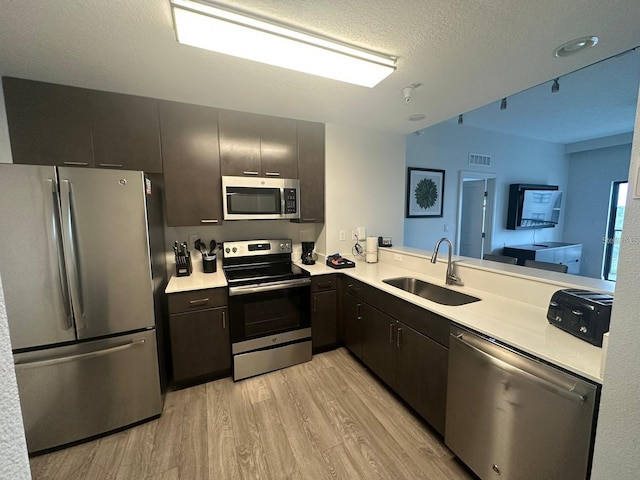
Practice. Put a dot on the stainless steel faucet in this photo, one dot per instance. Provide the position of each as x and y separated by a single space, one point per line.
451 278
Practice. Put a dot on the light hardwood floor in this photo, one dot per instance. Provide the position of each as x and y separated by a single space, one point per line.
324 419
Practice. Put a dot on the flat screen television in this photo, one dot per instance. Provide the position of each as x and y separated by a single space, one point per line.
533 206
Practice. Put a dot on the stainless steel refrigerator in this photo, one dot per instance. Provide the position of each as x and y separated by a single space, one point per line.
81 290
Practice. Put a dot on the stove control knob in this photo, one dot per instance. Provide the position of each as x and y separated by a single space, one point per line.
583 329
234 249
227 250
282 246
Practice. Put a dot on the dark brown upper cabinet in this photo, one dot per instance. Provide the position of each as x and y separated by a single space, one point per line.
193 189
257 145
126 132
53 124
48 124
311 160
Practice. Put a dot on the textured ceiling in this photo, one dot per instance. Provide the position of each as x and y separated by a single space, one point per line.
466 53
596 101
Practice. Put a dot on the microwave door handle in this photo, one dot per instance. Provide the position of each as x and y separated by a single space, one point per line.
282 202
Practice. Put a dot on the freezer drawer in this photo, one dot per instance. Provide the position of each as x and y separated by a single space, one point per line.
74 392
509 416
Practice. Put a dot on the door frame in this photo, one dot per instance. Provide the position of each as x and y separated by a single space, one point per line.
490 178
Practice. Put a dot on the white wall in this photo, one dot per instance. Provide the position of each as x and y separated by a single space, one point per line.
514 159
5 147
364 185
586 202
14 462
617 449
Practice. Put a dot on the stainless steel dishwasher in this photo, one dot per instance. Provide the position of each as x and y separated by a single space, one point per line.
513 417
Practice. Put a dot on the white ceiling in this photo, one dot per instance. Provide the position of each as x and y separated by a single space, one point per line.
466 53
596 101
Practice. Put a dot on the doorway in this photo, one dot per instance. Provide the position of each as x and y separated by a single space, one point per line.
475 213
614 230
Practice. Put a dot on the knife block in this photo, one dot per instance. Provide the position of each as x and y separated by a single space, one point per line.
184 266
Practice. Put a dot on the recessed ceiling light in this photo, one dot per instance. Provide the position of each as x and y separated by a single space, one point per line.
416 117
574 46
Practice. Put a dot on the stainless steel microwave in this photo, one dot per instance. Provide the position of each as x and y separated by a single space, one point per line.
257 198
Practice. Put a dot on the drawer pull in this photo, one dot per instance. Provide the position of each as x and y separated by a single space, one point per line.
209 220
272 174
324 285
110 165
250 173
200 301
77 164
309 219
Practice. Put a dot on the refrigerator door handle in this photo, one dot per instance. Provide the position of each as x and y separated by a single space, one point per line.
80 356
57 239
72 265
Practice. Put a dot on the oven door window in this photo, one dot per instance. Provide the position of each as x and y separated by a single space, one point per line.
261 314
248 200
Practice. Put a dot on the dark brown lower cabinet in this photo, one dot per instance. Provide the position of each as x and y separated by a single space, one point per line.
421 374
352 309
379 348
200 345
324 319
411 360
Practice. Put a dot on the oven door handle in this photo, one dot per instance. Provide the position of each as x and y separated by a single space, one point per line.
268 287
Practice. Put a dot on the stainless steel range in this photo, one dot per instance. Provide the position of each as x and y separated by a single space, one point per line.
269 306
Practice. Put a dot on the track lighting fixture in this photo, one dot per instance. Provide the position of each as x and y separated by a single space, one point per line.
555 88
460 119
503 104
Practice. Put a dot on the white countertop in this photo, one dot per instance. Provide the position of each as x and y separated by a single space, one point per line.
515 323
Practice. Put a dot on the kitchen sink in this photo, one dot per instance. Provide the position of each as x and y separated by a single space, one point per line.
429 291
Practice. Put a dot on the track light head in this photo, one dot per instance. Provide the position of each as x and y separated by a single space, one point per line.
503 104
555 88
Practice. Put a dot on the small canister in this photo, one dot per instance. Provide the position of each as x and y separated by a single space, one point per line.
209 263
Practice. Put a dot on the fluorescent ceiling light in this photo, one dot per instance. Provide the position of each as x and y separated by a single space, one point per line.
214 28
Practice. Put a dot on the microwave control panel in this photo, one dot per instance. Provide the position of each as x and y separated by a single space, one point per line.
290 200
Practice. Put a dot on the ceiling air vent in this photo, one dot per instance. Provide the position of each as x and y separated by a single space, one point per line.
480 159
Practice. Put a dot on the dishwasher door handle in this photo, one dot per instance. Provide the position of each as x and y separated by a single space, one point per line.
507 367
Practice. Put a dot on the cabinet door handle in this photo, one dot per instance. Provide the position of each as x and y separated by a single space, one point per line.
398 339
391 333
200 301
250 173
77 164
272 174
315 304
309 219
358 311
209 220
110 165
224 320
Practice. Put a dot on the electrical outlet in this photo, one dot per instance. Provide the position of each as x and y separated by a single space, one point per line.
192 241
362 233
343 235
397 257
354 233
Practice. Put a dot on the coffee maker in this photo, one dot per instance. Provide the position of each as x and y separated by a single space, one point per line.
307 253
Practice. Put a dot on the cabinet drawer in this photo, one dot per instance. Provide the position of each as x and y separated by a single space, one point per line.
354 288
197 300
323 283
